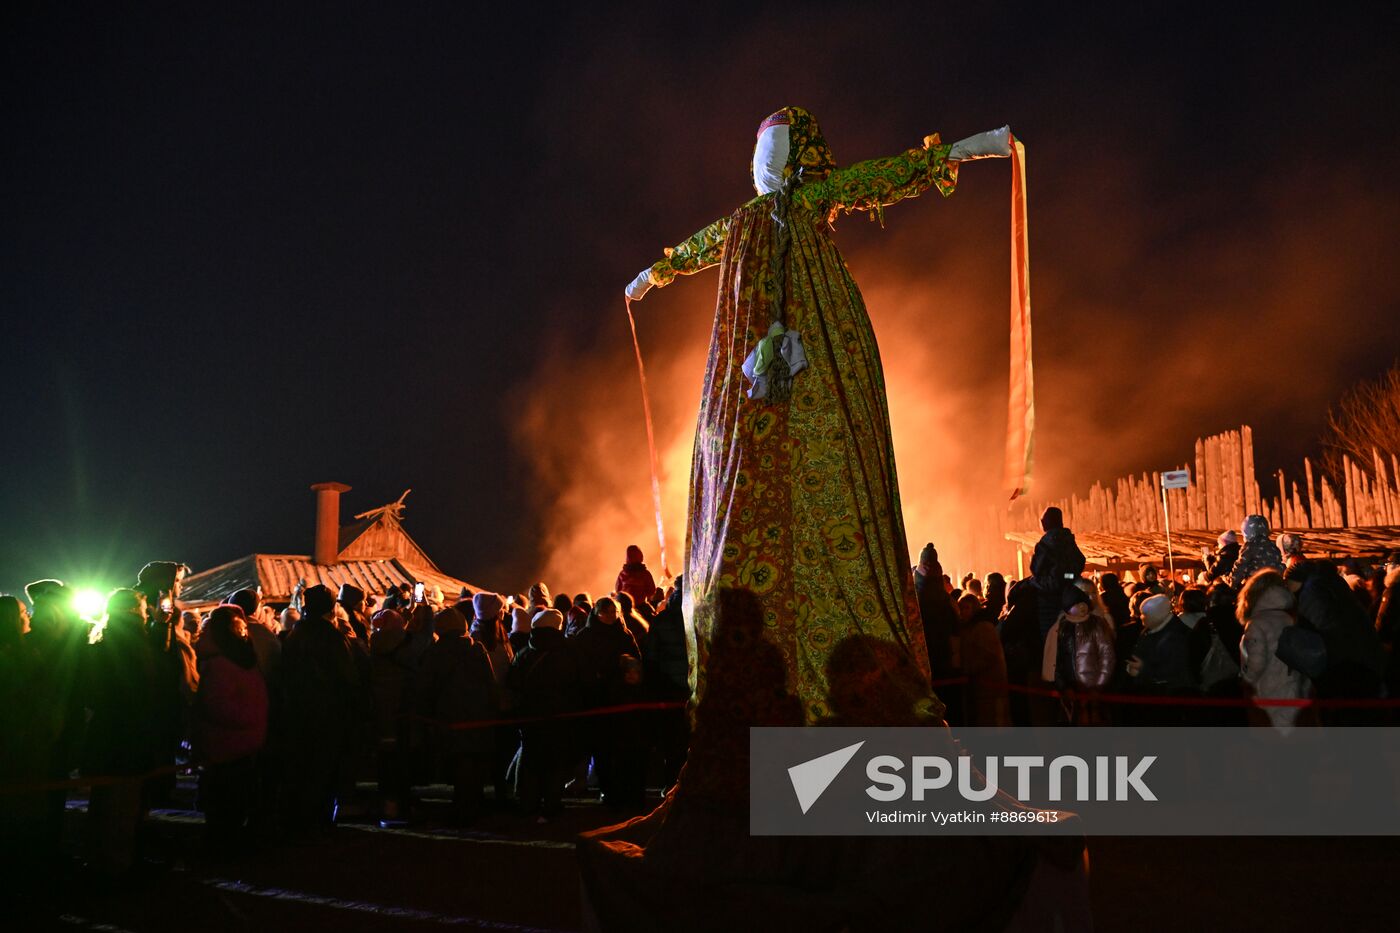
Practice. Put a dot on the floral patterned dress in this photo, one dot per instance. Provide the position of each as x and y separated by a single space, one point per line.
797 502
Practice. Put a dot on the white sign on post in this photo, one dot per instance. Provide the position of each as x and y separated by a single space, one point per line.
1176 479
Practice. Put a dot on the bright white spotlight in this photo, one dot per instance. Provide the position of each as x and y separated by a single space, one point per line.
89 604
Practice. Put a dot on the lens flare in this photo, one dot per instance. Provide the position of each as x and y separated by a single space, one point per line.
89 604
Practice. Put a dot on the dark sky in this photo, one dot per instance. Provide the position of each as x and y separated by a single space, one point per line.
251 247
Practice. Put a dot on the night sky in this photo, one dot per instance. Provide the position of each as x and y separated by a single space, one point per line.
252 247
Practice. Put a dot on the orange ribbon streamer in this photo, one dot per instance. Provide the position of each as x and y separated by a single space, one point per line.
1020 418
651 442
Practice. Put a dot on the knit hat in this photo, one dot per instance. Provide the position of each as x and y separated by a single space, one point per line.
1289 544
388 620
466 594
1052 518
487 605
928 560
548 618
1156 610
350 595
634 555
539 595
1227 537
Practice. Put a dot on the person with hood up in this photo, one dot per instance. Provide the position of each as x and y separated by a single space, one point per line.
545 676
635 579
984 666
231 719
1057 561
459 686
1258 552
1221 562
1265 611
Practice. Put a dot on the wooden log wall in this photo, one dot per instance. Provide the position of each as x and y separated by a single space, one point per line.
1224 489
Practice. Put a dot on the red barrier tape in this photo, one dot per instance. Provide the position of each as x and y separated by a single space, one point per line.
1150 700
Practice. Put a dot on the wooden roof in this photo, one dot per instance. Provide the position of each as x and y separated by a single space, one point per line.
376 554
277 574
1151 547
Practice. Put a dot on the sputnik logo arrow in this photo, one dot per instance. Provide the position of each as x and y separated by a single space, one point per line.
811 778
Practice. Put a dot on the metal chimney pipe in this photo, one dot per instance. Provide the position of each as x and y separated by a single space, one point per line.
327 521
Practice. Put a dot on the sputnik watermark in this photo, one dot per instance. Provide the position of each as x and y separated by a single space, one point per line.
934 772
1106 781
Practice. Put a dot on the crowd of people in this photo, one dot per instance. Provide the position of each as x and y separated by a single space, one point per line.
1260 622
281 713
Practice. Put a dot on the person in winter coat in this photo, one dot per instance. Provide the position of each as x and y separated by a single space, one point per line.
577 617
1114 600
26 735
602 646
1258 553
352 599
488 628
231 716
984 665
1085 657
940 623
520 615
392 682
459 686
636 624
545 676
666 673
1057 559
1355 658
1265 611
635 579
995 599
125 684
1019 630
161 582
1291 549
324 692
1161 660
1220 563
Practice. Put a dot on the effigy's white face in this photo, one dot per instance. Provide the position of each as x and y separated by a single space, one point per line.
770 156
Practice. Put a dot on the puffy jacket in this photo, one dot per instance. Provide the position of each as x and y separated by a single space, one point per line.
231 710
1254 557
1262 670
1094 655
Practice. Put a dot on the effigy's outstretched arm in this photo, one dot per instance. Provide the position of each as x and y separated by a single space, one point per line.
876 183
700 251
